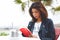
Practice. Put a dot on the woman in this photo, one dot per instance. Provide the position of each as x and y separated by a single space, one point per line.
40 26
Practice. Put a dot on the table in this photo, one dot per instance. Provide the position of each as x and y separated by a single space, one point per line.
23 38
17 38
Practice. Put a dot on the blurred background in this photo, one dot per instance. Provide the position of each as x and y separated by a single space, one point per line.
14 14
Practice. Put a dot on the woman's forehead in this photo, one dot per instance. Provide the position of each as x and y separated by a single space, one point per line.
35 9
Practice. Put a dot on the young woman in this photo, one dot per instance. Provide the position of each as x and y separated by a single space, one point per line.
40 26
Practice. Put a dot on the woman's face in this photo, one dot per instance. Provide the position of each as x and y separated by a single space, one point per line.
35 13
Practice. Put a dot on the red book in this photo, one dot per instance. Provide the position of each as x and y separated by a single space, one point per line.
26 32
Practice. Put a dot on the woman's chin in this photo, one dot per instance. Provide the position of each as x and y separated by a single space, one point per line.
36 17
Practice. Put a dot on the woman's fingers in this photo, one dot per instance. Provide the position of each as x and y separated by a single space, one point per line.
33 36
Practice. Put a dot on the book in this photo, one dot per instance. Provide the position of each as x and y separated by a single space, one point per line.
26 32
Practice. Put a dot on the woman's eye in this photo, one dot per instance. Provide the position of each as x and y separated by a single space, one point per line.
35 12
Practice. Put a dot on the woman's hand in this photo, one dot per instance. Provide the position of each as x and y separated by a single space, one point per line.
33 36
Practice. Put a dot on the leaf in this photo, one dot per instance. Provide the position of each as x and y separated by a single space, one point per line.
18 1
57 8
35 0
23 6
4 34
47 2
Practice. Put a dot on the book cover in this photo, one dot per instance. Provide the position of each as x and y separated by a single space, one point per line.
26 32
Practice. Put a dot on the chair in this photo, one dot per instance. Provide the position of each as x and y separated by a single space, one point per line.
57 33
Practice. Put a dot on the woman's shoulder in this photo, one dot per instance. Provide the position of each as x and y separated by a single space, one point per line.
48 21
30 22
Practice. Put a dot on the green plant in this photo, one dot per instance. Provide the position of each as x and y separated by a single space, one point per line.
35 0
57 8
47 2
3 34
18 1
23 4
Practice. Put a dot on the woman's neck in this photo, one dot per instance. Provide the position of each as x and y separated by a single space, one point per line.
38 20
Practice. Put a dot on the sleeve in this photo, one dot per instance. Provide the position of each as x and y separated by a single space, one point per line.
30 25
51 30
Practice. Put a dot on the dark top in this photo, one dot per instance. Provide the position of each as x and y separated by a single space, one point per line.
46 31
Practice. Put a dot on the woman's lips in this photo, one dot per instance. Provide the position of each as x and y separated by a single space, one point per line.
35 16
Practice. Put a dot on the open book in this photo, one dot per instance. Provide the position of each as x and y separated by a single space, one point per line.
26 32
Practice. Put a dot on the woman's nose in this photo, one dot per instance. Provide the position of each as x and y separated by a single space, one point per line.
34 13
